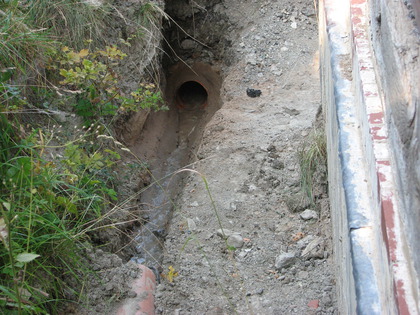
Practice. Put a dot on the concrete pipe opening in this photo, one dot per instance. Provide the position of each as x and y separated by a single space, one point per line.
191 95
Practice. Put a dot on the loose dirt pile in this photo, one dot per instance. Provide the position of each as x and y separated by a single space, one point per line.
261 247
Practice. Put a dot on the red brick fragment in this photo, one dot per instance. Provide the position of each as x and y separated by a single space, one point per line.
313 303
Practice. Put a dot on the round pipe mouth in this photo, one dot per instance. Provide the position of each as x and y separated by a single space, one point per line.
191 95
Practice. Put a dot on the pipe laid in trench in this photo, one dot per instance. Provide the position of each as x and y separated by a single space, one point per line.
193 96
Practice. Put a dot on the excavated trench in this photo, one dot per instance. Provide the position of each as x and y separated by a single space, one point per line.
169 141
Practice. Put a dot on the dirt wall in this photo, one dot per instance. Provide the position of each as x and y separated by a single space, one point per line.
396 44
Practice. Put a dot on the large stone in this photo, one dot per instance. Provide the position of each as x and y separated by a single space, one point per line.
315 249
191 225
309 214
188 44
235 240
285 260
225 233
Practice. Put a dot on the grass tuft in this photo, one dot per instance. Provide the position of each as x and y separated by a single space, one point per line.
20 44
70 21
312 159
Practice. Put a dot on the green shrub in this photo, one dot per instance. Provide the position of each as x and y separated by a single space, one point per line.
94 78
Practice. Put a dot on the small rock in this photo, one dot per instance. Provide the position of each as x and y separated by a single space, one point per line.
109 286
253 92
271 148
285 260
259 291
138 260
308 11
309 214
293 25
267 303
225 233
328 288
251 59
327 301
284 48
242 254
194 204
301 244
315 249
292 111
279 165
188 44
297 202
235 240
191 225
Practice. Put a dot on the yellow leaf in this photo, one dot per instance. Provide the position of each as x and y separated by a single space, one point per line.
83 53
171 274
65 49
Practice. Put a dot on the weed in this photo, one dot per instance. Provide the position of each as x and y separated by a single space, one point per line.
20 43
93 77
11 98
44 207
170 275
312 158
150 15
71 21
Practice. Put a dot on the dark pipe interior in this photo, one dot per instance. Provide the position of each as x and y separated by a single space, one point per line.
191 95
